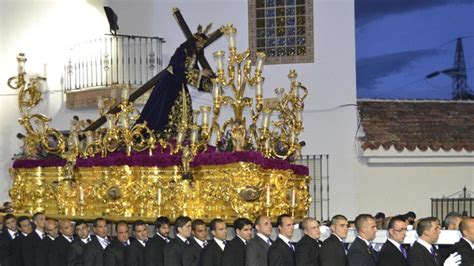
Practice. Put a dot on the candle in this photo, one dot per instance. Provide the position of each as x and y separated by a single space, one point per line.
125 94
260 60
158 196
219 57
298 116
124 121
110 121
75 138
179 138
44 71
267 201
259 87
215 90
195 116
205 114
266 118
267 144
293 197
194 135
90 138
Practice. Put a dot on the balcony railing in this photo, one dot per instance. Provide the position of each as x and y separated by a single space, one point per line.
113 59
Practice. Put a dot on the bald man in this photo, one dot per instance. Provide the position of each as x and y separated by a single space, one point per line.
58 251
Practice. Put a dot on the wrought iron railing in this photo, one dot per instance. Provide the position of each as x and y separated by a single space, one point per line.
460 202
319 184
113 59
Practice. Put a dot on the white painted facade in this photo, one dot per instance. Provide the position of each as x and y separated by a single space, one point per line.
44 30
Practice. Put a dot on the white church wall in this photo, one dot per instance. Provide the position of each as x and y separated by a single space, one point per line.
46 36
395 188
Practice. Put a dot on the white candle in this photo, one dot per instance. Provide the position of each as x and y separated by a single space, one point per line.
299 116
110 121
100 102
266 119
219 57
113 93
215 90
260 60
232 40
179 138
90 137
205 114
124 121
158 196
194 135
125 94
259 88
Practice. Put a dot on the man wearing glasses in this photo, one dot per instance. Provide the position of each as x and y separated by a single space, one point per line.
392 252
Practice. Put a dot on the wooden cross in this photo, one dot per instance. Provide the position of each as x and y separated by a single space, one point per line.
189 36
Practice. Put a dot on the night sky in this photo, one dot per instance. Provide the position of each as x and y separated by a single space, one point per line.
399 42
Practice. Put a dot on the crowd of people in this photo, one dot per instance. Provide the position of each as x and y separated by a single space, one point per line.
43 241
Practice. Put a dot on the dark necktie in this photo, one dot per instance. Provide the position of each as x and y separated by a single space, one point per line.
433 253
43 235
404 251
291 246
269 241
186 242
204 243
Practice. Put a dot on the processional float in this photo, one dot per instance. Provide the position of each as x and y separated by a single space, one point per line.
228 168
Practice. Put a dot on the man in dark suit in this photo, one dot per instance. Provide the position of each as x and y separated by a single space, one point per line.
361 251
257 248
423 251
24 225
52 232
234 252
74 254
174 250
332 251
9 232
192 252
155 245
211 255
393 253
465 246
34 248
282 251
307 249
94 250
135 252
57 252
114 253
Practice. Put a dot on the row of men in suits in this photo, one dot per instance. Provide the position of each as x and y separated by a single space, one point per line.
43 243
393 253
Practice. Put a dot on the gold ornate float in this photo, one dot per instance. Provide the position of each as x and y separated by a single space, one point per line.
125 170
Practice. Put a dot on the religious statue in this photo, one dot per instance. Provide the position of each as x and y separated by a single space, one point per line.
163 111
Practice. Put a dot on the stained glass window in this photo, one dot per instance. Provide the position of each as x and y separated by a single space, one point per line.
283 29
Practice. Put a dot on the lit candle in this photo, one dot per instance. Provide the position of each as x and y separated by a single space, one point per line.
158 196
125 94
260 60
267 201
219 57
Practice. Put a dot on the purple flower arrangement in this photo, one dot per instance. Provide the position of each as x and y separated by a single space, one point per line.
158 159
